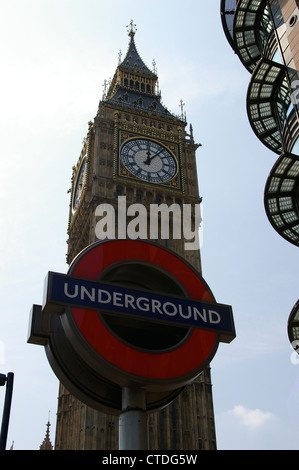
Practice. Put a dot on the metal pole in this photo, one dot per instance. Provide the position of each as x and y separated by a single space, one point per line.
133 429
6 410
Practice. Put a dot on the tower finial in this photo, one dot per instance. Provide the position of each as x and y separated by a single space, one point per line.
119 57
132 29
183 114
46 444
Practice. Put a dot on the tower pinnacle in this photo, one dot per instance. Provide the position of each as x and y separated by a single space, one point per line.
46 444
135 86
132 30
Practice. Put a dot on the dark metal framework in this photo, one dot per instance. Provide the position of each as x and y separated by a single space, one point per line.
228 8
251 28
293 327
281 197
251 31
268 100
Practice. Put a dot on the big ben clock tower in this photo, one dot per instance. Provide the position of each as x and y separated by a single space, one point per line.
135 148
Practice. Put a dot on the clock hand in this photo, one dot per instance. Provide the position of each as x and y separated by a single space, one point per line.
148 153
149 158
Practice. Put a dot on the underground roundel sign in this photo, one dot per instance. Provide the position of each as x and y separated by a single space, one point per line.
128 314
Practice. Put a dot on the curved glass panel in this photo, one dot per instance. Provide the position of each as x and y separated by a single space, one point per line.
295 148
266 107
293 327
281 197
252 32
227 9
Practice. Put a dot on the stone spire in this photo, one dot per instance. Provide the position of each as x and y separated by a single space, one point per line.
135 87
46 444
132 61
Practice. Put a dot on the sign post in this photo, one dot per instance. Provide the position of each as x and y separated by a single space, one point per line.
9 379
133 425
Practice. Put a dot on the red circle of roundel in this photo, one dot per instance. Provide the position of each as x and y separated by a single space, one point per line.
162 365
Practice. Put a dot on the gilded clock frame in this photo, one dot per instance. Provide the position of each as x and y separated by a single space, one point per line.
82 161
173 146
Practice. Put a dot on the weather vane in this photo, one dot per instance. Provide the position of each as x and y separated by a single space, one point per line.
132 29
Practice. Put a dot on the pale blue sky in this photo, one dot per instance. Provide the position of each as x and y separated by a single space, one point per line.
55 56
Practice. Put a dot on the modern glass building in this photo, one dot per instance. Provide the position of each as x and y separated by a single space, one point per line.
265 36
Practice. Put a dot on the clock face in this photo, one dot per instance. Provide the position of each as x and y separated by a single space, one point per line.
148 160
79 185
